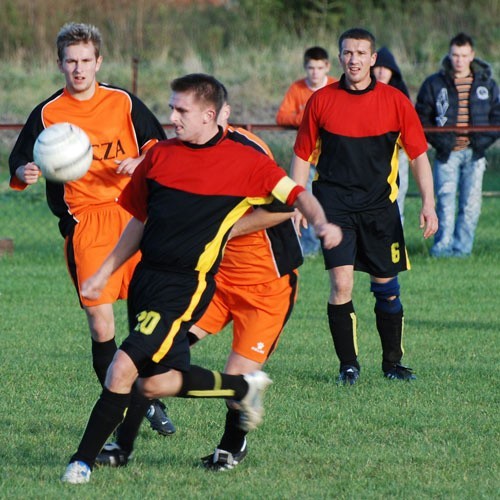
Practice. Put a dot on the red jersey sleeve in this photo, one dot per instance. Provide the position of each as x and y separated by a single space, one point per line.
308 134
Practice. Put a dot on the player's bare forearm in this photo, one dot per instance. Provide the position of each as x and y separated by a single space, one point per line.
422 173
257 220
330 234
299 170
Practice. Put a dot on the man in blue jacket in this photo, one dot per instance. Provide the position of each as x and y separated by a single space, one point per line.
461 94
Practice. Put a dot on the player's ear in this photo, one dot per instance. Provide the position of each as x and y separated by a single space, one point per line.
209 115
98 63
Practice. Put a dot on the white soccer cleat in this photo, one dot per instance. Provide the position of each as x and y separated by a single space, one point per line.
251 406
77 473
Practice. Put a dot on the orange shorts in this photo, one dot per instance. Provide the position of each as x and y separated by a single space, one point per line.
94 237
258 313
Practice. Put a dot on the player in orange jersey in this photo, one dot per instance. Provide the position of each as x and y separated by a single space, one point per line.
256 291
291 111
121 129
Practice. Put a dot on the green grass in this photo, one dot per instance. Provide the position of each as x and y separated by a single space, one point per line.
434 438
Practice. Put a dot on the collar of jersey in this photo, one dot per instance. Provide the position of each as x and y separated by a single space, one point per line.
370 87
212 142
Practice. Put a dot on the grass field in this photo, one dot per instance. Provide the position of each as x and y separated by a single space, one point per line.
435 438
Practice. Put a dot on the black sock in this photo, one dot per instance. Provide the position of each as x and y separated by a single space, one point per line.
199 382
102 355
390 328
127 431
233 438
342 321
108 412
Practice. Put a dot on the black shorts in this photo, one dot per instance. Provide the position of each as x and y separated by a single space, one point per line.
373 241
162 306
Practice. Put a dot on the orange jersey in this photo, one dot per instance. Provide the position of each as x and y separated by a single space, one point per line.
291 110
119 126
265 255
248 260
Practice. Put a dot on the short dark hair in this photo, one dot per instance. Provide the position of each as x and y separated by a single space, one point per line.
357 34
205 88
462 39
75 33
315 54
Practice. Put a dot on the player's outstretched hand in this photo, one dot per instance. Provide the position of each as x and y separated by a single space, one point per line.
330 234
92 287
428 222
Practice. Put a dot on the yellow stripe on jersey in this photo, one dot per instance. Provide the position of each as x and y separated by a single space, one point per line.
313 159
393 174
283 189
188 314
212 249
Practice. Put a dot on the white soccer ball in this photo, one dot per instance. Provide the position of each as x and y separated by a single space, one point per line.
63 152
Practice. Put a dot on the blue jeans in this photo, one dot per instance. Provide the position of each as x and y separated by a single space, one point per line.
461 173
310 243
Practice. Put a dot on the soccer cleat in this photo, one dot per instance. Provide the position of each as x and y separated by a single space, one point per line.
76 473
251 406
221 460
399 372
112 455
158 418
348 375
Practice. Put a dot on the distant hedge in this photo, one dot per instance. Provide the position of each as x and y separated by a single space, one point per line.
420 30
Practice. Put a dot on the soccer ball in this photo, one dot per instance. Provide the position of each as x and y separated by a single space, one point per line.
63 152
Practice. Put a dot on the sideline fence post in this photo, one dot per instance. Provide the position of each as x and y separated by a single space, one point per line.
135 74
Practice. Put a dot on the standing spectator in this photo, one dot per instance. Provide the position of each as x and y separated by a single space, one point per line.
387 71
461 94
291 111
121 129
358 123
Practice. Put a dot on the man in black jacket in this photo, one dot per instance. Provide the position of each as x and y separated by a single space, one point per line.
461 94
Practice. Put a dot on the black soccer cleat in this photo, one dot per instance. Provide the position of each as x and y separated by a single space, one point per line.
399 372
348 375
112 455
158 418
221 460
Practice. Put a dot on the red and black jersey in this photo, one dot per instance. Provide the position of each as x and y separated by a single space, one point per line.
190 197
359 134
119 126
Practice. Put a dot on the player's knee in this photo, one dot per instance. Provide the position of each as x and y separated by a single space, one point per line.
387 296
